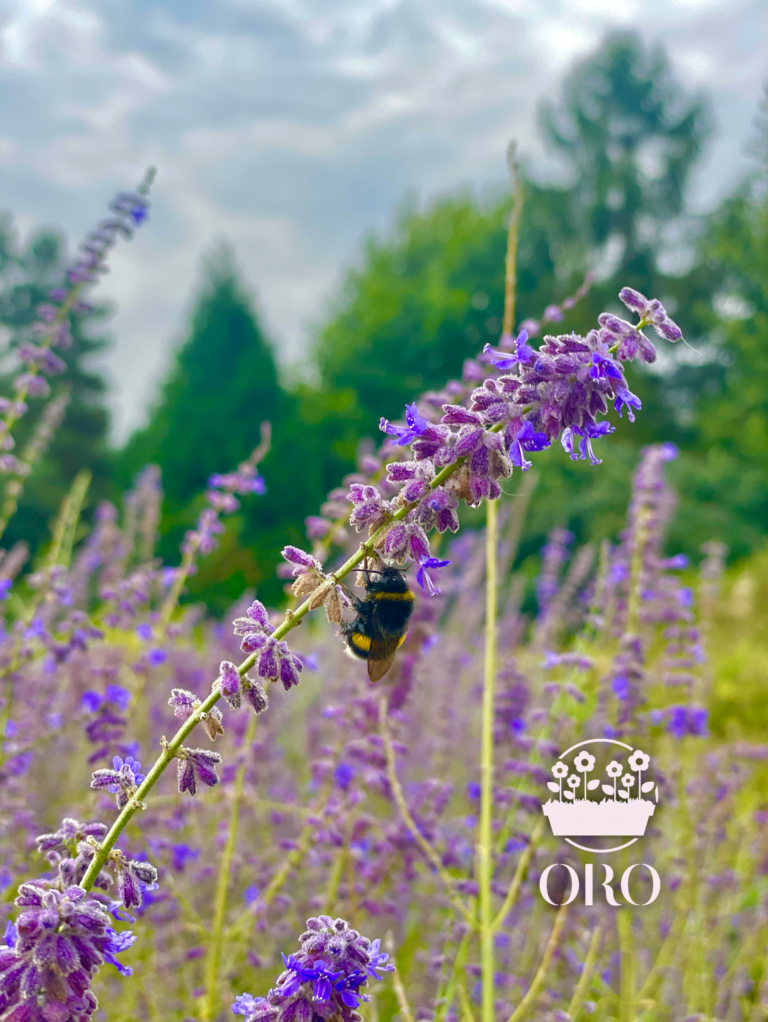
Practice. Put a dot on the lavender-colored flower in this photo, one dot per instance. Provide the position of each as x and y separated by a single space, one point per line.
370 508
196 765
247 1004
343 775
653 312
442 506
415 426
680 721
324 980
423 577
59 941
256 621
300 560
626 399
122 780
525 438
588 433
70 833
133 878
551 660
228 683
503 360
254 694
185 703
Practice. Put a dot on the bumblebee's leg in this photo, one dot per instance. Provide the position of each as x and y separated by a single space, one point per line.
356 603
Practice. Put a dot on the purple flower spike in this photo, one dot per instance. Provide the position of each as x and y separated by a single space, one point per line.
53 952
415 426
324 980
422 575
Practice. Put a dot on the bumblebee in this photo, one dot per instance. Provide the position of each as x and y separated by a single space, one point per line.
382 620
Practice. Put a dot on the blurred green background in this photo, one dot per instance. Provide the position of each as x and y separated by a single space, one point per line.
426 295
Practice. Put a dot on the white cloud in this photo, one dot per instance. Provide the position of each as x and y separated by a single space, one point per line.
292 127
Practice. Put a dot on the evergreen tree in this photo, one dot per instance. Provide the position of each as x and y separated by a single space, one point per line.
629 138
27 273
223 383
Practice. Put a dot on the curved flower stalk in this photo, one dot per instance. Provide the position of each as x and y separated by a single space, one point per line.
326 979
52 329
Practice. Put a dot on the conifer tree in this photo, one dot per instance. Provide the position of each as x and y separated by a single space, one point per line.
222 384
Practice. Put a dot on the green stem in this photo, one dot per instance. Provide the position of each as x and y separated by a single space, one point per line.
541 974
225 866
582 988
182 573
292 619
485 831
519 875
627 963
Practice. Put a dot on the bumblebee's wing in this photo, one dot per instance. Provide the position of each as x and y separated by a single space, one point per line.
381 657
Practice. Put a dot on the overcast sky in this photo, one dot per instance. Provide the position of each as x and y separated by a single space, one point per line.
293 127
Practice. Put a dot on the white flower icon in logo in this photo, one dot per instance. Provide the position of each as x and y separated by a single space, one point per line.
585 764
613 770
639 760
573 781
627 780
560 770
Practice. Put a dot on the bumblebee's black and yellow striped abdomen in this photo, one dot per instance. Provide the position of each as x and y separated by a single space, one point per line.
381 623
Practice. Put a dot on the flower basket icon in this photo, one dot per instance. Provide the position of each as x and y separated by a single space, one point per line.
599 819
617 815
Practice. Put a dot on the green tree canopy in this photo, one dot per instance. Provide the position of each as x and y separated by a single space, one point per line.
430 293
629 138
